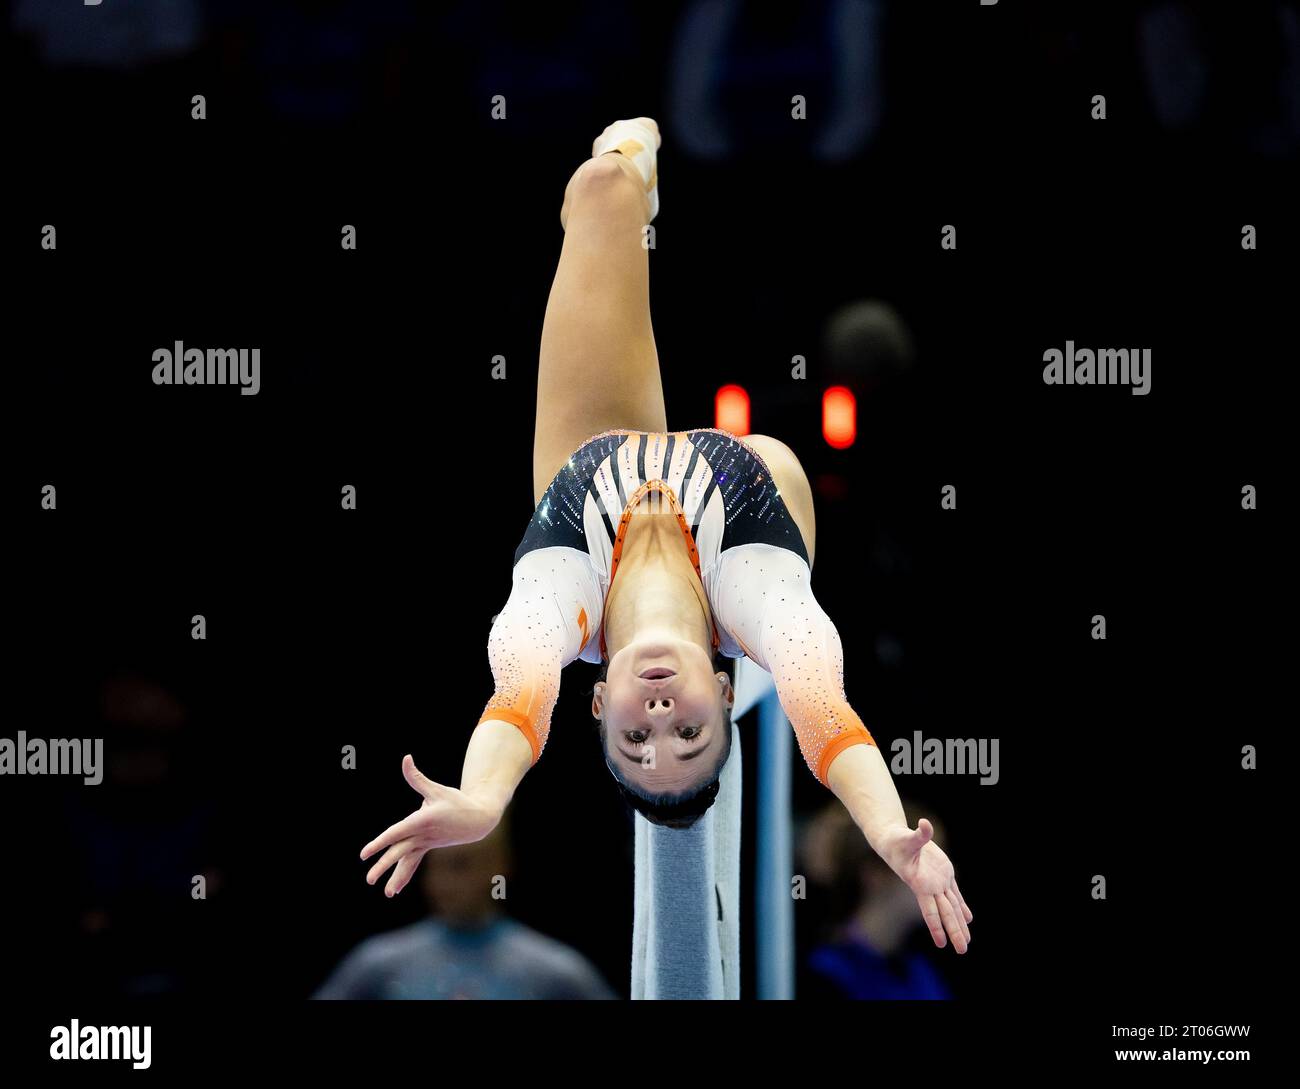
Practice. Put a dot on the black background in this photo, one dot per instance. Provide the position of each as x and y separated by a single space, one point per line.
368 628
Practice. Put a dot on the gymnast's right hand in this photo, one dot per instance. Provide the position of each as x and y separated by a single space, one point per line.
446 817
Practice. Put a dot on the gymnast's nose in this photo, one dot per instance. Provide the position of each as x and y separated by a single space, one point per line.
659 706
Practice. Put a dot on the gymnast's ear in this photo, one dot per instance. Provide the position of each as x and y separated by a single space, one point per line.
597 699
728 693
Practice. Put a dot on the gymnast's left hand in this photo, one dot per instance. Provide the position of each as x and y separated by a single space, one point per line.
925 869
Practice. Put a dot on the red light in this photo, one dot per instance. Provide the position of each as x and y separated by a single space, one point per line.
839 417
731 410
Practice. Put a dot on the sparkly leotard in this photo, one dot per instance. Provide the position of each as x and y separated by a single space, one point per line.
746 547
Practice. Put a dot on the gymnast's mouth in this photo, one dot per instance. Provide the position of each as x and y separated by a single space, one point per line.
657 673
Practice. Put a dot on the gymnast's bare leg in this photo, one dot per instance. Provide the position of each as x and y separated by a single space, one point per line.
598 370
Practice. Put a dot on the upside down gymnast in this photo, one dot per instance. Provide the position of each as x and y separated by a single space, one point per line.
656 553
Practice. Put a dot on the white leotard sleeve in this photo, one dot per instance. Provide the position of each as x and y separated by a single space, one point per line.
762 595
551 617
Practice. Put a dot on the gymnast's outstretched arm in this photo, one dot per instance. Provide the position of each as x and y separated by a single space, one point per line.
784 629
533 637
861 780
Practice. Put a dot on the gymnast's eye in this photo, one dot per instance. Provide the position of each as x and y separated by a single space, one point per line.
690 733
636 737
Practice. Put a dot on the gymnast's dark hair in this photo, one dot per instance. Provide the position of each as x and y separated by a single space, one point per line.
673 810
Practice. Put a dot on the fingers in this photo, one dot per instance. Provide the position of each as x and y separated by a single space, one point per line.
957 914
950 923
398 841
395 832
418 780
402 874
390 856
970 918
930 913
918 837
915 839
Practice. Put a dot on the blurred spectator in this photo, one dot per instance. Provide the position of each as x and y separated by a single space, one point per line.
314 61
110 36
469 948
138 841
552 60
1242 72
872 920
867 339
735 68
1175 68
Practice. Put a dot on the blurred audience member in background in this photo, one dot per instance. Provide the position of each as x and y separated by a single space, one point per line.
553 60
469 947
314 61
1241 74
107 61
137 845
870 919
866 341
111 36
737 67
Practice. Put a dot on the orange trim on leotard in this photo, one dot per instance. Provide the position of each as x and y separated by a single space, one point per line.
844 741
515 718
663 487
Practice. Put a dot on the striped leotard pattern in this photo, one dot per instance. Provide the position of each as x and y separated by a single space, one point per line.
753 564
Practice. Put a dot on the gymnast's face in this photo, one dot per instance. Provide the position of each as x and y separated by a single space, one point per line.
664 713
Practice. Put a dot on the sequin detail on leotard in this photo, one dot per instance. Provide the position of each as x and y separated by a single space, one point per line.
755 574
766 600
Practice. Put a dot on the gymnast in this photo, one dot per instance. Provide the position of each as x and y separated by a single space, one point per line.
656 554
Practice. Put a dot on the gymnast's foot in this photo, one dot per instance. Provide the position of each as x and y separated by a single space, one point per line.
633 144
